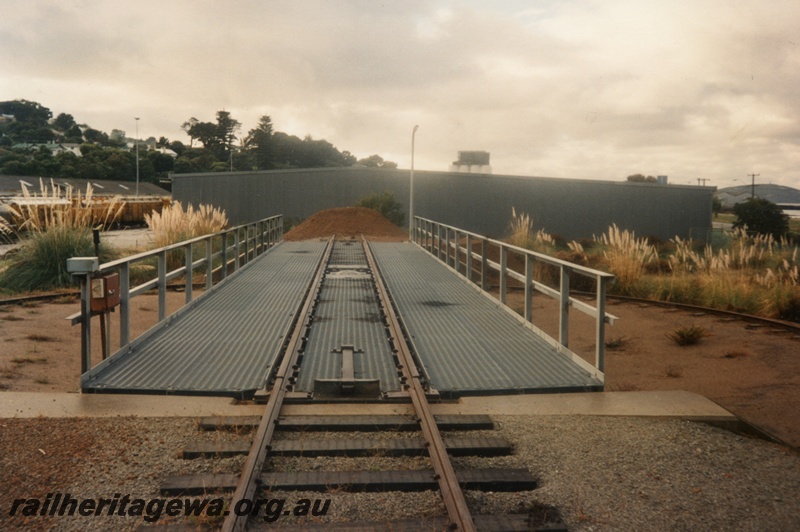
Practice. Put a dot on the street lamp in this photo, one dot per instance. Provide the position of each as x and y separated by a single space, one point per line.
411 198
137 156
753 185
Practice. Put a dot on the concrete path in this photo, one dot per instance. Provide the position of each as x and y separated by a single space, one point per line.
672 404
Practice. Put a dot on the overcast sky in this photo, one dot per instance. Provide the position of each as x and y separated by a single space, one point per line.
592 89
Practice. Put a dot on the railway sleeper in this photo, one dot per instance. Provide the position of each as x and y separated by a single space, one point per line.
350 423
492 479
353 447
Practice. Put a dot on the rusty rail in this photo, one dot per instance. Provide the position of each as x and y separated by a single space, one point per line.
246 486
452 494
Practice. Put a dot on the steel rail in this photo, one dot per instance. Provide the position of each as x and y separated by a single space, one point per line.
246 487
445 475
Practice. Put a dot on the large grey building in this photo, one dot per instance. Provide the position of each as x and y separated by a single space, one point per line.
480 203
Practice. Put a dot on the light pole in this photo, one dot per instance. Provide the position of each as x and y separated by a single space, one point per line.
411 198
137 156
753 185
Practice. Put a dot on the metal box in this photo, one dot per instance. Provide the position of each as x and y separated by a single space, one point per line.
105 292
79 265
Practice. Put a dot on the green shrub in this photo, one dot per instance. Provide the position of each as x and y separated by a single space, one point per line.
387 205
41 262
761 216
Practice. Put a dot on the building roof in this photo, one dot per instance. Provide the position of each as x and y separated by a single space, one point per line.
12 185
777 194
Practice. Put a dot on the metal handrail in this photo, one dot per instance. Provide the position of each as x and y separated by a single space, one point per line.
443 242
248 242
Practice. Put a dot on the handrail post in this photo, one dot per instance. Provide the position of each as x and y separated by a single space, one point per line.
124 304
601 322
254 239
563 318
459 250
484 266
224 255
189 274
236 243
456 258
86 322
503 271
447 249
251 239
439 241
162 285
260 232
469 257
209 264
528 288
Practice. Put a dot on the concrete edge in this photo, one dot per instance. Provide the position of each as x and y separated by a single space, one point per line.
649 404
675 404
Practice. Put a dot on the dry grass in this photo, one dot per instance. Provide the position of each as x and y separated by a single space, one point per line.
54 226
523 235
41 338
736 353
674 372
688 335
754 274
626 257
68 209
28 360
174 224
617 343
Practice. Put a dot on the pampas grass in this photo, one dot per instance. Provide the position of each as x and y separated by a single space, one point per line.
55 227
754 274
36 213
626 257
173 224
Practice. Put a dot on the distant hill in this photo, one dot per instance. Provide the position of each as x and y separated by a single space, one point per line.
779 194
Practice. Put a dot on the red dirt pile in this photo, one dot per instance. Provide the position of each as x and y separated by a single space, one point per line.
347 222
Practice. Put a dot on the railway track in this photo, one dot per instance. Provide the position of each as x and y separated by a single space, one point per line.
257 483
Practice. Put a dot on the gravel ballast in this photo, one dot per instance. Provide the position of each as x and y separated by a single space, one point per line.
600 473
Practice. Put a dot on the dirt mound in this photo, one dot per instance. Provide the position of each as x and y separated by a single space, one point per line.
347 222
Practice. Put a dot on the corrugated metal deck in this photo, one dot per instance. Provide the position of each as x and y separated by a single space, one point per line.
348 313
227 343
467 343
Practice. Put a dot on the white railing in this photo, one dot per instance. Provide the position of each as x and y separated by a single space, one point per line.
445 243
222 254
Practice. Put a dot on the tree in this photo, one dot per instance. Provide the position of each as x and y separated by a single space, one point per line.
385 204
74 135
95 136
30 123
217 138
761 216
178 147
259 143
716 205
640 178
376 161
64 122
348 158
227 128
